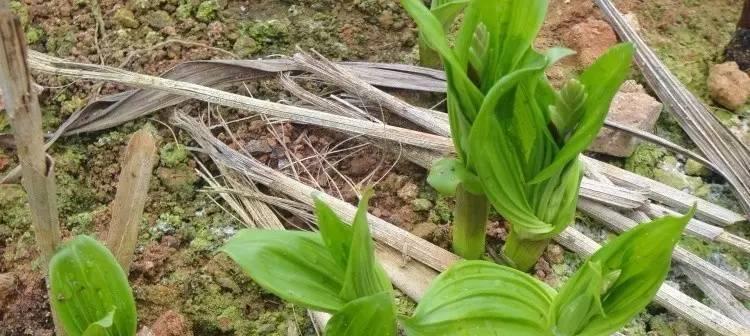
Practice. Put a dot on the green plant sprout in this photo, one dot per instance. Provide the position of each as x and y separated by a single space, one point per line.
446 12
335 271
613 285
89 291
517 138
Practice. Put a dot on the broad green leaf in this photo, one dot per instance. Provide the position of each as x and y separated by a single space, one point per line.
482 298
498 160
447 173
601 80
99 328
295 266
446 11
373 315
619 280
443 176
364 276
336 234
87 285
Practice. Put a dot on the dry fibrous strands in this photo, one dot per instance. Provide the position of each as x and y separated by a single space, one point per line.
357 87
719 145
720 297
25 117
300 115
132 188
667 195
405 244
388 234
621 223
702 229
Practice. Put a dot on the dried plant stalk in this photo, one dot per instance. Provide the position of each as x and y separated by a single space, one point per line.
127 208
25 118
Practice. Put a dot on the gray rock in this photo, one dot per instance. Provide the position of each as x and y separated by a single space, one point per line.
633 107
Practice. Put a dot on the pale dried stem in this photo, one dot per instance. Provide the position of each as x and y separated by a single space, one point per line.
130 199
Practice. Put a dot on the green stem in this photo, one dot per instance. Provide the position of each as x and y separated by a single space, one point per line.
469 223
523 254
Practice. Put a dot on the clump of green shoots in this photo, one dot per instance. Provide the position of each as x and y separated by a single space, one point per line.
446 12
335 271
517 138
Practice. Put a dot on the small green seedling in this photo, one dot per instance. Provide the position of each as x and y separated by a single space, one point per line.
517 138
612 286
89 291
334 271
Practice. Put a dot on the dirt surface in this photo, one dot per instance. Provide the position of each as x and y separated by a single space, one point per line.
179 281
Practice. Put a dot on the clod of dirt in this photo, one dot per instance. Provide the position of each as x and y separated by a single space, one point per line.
590 39
7 284
424 230
408 192
738 49
125 18
555 254
633 107
171 323
728 85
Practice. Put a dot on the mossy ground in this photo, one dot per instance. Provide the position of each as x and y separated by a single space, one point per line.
176 264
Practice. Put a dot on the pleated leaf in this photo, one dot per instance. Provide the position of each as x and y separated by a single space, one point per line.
482 298
89 291
619 280
601 81
372 315
295 266
336 234
364 276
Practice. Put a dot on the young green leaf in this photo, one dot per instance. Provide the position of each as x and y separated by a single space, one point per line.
364 276
89 291
99 328
482 298
601 80
372 315
619 280
336 234
295 266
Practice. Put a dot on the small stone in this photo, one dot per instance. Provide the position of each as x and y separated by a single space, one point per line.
590 39
172 323
421 204
157 19
424 230
695 168
728 85
125 18
258 146
408 192
245 46
633 107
